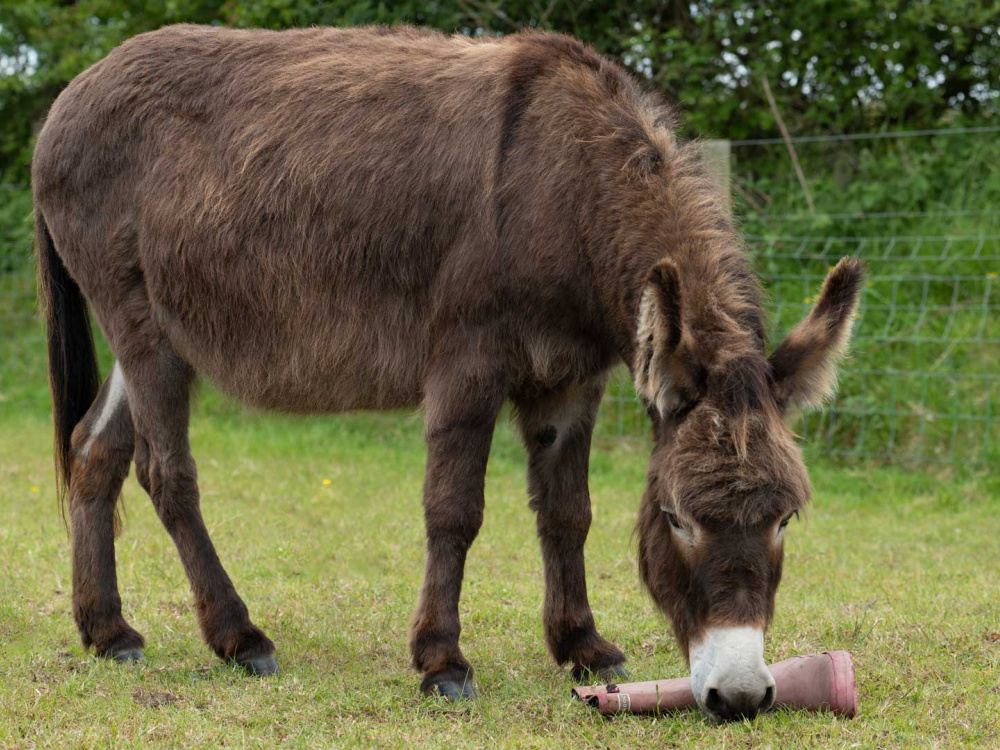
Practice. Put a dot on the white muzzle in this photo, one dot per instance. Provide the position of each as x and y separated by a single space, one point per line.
729 677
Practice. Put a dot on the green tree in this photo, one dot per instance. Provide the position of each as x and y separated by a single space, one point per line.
834 65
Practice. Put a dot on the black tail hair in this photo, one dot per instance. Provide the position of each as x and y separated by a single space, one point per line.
73 375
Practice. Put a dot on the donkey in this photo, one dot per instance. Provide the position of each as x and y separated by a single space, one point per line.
323 220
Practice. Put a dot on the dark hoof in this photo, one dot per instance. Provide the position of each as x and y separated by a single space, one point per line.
454 684
454 692
261 666
127 656
605 675
614 673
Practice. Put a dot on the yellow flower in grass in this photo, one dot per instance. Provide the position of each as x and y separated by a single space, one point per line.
326 482
34 489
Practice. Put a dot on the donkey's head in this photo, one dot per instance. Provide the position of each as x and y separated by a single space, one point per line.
726 476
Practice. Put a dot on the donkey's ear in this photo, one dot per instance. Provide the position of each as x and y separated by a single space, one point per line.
658 336
804 365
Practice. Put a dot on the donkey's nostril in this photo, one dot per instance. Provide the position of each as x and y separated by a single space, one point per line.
729 704
768 699
714 703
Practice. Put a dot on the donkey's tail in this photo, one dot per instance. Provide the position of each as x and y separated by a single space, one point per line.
73 375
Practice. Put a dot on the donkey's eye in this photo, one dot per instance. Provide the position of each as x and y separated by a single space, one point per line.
683 409
785 522
673 519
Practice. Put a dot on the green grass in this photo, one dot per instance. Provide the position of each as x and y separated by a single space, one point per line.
900 568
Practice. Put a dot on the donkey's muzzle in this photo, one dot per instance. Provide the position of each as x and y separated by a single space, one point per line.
735 704
729 677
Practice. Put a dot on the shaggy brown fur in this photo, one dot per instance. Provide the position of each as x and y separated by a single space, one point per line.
322 220
726 470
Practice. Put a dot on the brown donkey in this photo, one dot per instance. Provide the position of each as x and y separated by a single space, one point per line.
323 220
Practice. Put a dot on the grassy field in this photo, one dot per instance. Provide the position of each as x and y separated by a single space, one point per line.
319 523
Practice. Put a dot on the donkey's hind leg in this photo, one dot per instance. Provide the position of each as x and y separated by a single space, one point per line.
101 454
159 385
557 429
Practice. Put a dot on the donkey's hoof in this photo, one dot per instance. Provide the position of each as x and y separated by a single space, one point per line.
260 666
127 656
613 673
454 685
605 675
454 692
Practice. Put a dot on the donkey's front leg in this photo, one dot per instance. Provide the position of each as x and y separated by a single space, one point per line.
557 430
462 408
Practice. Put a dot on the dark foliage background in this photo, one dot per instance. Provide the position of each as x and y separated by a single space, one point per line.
835 65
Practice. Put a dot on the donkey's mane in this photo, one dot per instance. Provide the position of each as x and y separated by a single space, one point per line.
688 219
722 297
722 310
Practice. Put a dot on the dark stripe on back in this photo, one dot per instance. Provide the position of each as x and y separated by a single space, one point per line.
536 55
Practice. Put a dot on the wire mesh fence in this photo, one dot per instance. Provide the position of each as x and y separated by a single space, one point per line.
923 381
922 384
